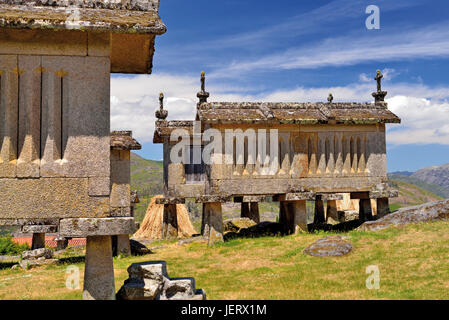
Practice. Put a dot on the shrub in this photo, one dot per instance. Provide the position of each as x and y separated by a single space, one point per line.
8 247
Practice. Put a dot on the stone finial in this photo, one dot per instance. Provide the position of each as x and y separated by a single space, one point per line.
203 95
161 114
330 98
378 78
379 95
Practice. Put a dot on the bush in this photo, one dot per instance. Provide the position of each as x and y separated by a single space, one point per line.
8 247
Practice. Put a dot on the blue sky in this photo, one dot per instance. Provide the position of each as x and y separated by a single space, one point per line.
299 51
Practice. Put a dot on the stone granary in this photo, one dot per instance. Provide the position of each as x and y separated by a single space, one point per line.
57 171
319 151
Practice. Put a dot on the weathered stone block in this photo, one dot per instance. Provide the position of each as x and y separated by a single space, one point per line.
83 227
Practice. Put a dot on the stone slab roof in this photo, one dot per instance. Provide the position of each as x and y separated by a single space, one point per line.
165 128
123 140
125 16
295 113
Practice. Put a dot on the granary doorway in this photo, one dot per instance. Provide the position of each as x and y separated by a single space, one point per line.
194 167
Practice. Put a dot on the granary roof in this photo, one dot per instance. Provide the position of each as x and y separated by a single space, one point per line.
295 113
165 128
124 16
123 140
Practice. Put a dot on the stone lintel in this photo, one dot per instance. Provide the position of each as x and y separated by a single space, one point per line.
171 200
390 193
213 199
297 196
250 199
330 196
360 195
39 228
22 222
83 227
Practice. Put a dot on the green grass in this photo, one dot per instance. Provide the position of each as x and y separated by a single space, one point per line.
412 261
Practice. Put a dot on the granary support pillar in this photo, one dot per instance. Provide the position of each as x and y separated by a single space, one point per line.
332 213
250 210
212 226
99 269
365 211
383 207
170 222
61 243
293 216
38 241
319 210
123 245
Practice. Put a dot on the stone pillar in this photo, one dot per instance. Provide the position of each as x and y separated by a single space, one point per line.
254 212
170 222
212 222
332 213
61 243
123 246
319 211
38 241
99 269
383 207
244 210
365 212
293 216
299 216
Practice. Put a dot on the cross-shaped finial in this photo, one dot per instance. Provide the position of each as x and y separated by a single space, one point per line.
203 95
378 78
161 114
203 81
330 98
161 101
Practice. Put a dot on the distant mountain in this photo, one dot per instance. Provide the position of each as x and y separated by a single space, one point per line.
403 173
414 191
438 175
146 176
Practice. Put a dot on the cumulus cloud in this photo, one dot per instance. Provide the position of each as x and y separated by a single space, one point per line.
423 121
134 99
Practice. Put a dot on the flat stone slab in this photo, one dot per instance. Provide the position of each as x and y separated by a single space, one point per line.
332 246
431 211
83 227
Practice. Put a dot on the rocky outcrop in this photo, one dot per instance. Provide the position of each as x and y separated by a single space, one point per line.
331 246
432 211
37 257
236 224
150 281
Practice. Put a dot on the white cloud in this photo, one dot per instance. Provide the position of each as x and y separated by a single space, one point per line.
427 42
424 111
423 121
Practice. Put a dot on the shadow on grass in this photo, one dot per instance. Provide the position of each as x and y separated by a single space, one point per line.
6 265
265 229
72 260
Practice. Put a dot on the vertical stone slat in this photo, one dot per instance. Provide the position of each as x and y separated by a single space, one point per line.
51 133
312 154
30 72
339 155
322 156
362 158
346 155
9 85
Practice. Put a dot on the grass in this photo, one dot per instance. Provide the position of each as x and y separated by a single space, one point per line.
412 261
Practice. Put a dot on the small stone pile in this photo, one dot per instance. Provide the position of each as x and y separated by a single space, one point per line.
36 257
150 281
